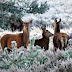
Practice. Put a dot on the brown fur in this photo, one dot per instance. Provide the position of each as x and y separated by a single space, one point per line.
21 38
60 40
44 41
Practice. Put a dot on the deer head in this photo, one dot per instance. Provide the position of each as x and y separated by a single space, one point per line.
45 32
57 26
26 25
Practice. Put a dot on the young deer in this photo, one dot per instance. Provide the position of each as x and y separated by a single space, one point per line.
21 38
60 40
44 41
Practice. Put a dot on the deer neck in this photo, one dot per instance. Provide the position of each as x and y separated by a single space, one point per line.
57 29
44 35
25 35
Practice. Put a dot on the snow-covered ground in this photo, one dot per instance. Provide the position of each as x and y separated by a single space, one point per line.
58 9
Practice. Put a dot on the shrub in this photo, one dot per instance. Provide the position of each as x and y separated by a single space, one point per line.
21 60
9 9
34 7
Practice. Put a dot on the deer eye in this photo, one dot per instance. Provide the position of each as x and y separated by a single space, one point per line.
27 27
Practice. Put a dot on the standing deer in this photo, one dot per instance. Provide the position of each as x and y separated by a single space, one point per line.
60 40
21 38
44 41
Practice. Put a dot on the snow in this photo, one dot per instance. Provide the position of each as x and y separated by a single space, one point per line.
58 9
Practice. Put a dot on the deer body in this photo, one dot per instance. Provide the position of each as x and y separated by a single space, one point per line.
60 40
21 38
44 41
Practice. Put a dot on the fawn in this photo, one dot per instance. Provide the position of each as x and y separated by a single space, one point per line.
21 38
60 40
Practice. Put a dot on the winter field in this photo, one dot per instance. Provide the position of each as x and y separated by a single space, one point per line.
35 59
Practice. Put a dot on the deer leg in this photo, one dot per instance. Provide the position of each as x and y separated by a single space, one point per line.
3 45
62 43
54 49
66 42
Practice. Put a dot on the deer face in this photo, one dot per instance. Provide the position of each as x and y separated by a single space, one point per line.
26 25
49 34
46 33
43 29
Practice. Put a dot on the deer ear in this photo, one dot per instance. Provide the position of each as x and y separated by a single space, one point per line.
55 20
30 21
42 28
60 20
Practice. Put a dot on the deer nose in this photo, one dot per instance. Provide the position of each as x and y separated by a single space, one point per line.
27 28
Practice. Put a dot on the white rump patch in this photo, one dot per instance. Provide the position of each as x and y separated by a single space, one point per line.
62 42
65 41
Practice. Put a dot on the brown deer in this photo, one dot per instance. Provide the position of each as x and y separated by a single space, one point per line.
21 38
44 41
60 40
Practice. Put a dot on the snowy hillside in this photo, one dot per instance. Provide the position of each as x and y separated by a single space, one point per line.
58 9
61 61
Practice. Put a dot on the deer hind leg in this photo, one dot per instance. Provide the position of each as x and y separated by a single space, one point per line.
3 45
9 48
62 43
54 49
46 47
66 41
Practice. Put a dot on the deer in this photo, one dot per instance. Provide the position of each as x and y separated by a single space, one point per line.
44 41
21 38
60 40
